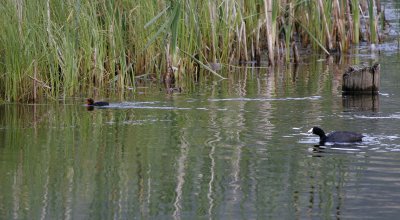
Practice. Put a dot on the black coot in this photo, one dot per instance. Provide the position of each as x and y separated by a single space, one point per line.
336 136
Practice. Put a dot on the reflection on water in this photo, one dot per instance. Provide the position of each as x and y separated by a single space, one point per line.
234 150
361 102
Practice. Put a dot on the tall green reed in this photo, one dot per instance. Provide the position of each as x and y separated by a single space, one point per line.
372 22
356 20
58 48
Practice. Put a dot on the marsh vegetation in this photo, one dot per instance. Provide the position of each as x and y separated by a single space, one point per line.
57 49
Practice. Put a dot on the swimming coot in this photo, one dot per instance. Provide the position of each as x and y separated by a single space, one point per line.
91 102
336 136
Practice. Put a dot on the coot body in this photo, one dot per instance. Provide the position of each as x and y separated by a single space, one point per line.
337 136
91 102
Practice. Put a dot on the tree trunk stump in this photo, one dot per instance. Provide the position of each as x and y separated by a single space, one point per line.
361 80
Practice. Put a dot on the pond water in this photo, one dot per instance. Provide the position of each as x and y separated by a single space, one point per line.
230 149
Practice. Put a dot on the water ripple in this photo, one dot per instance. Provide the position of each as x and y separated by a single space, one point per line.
376 143
266 99
392 116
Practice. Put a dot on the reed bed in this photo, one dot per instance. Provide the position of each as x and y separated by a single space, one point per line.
57 49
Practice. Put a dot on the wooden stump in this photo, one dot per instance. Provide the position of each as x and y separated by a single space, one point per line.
364 80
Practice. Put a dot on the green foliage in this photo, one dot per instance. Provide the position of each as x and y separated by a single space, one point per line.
58 49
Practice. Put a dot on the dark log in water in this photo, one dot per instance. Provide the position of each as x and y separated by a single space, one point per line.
361 80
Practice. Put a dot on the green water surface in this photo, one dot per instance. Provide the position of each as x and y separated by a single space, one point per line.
230 149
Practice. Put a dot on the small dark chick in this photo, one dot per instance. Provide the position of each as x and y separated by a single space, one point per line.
91 102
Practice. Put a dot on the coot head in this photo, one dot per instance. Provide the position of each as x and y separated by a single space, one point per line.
317 131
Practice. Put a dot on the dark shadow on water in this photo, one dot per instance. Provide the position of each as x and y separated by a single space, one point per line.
321 150
89 108
361 102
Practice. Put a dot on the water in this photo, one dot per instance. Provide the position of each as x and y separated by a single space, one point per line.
231 149
234 149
